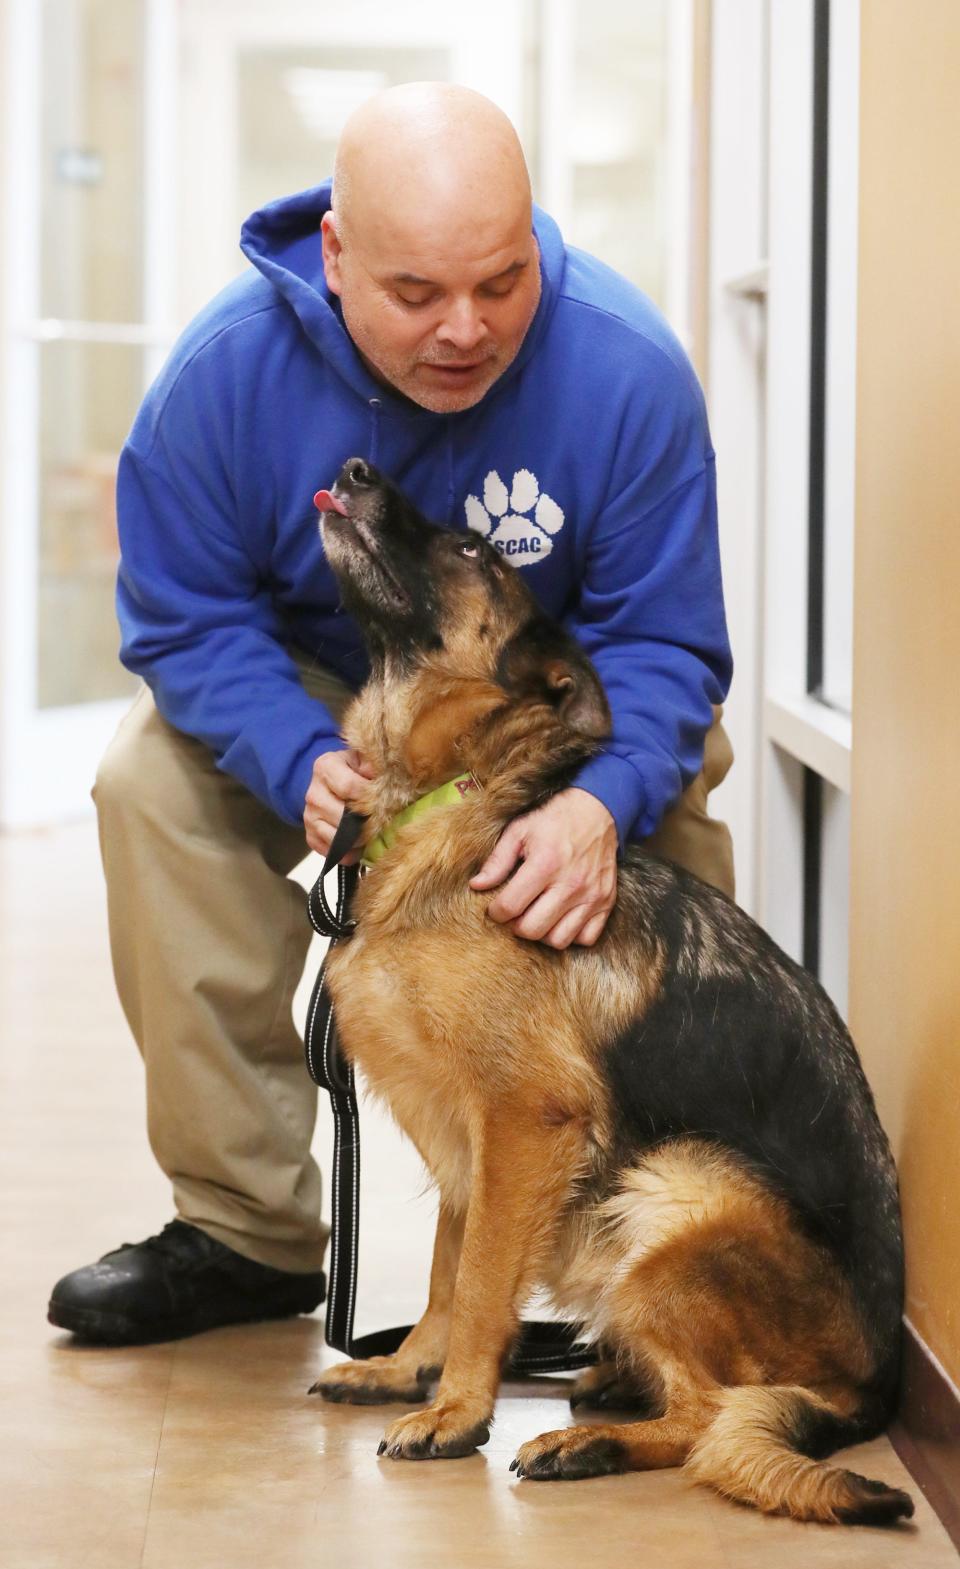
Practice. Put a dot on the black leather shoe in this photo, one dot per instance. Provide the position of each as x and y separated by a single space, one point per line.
175 1284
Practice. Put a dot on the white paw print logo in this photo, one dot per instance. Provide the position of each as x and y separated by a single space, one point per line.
521 522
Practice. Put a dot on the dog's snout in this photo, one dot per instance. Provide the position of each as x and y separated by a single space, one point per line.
357 473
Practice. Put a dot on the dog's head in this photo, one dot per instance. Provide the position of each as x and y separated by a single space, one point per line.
438 603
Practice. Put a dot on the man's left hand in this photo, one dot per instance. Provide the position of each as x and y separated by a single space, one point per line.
565 882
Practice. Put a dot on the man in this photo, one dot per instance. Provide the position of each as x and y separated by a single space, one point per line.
424 322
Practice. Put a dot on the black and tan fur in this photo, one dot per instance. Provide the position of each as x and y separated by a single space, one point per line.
670 1131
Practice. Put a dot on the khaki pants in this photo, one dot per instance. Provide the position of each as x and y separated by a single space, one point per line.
209 939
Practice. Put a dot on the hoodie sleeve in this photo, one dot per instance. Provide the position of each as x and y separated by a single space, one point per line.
651 617
196 617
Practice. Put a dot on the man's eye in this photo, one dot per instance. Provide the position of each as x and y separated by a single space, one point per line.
415 304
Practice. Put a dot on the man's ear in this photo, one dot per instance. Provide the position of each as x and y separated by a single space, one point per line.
330 246
544 664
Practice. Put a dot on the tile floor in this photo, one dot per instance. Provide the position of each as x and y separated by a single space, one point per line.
208 1453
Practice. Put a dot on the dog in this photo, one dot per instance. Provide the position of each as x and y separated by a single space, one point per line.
670 1130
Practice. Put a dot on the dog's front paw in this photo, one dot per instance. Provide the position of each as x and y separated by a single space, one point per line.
569 1454
375 1382
444 1431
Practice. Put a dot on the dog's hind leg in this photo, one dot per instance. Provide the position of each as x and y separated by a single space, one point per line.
590 1449
407 1373
763 1358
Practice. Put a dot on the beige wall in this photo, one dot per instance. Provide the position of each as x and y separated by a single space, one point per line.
905 910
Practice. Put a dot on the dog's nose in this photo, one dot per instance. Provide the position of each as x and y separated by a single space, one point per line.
356 472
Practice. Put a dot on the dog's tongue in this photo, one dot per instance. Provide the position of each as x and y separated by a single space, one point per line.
326 501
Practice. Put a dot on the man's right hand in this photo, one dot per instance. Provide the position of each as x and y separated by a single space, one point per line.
338 777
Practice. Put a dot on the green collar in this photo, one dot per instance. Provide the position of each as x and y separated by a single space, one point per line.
454 790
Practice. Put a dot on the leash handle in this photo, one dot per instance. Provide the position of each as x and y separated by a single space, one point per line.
324 920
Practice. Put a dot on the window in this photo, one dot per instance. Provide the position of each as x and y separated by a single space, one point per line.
783 346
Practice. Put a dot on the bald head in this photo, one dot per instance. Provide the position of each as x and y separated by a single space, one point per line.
429 242
429 151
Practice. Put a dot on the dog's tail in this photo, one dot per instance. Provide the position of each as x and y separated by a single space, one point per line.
760 1448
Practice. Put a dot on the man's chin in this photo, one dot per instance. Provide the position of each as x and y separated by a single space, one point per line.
428 389
433 387
450 402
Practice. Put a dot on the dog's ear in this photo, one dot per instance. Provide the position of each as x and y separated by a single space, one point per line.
544 663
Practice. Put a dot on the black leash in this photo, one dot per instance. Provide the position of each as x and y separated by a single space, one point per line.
542 1347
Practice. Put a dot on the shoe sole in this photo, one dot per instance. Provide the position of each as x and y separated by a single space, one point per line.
117 1329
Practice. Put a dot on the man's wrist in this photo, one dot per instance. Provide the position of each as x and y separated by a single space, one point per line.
616 783
601 808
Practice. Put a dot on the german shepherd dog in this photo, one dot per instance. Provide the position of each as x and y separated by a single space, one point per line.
670 1131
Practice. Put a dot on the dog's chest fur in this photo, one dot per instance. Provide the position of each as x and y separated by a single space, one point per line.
445 1041
389 1024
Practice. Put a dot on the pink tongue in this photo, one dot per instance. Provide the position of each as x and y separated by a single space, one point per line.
326 501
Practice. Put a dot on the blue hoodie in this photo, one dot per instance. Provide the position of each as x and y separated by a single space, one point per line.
588 463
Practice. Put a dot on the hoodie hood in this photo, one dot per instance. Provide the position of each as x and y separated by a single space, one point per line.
282 240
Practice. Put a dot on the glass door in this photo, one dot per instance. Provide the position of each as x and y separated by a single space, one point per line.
84 329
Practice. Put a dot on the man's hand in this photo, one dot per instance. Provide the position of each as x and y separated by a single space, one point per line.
566 882
338 777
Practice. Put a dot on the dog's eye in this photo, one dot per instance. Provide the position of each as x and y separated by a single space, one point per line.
468 548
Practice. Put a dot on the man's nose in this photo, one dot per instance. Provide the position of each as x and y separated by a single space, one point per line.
463 326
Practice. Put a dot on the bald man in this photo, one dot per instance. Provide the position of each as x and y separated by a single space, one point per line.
424 316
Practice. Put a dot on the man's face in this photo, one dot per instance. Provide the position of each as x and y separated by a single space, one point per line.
437 311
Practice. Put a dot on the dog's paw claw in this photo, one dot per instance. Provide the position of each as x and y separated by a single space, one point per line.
376 1382
445 1431
571 1453
381 1447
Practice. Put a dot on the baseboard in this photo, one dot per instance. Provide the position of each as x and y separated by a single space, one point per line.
926 1433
